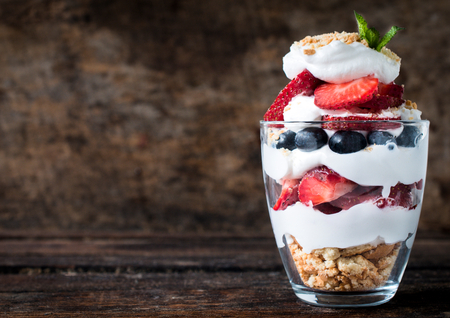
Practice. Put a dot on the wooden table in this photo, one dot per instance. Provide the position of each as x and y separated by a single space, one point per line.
136 275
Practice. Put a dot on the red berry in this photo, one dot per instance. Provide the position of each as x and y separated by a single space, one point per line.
359 195
391 89
345 123
303 84
327 208
321 185
402 195
289 194
379 102
346 95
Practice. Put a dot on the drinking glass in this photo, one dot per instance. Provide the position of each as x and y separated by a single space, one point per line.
344 199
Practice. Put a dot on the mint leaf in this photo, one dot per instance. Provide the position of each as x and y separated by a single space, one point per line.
372 37
388 36
362 25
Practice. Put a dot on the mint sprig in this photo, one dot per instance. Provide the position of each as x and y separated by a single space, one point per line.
372 36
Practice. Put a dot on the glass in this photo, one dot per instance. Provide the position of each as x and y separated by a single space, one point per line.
344 200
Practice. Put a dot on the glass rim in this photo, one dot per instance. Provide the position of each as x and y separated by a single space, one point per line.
419 121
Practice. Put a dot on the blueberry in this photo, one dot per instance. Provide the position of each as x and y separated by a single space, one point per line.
347 142
409 136
380 138
287 140
311 138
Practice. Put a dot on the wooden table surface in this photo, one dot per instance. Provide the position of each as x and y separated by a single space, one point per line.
137 275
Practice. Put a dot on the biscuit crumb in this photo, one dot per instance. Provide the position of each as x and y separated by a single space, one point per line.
410 105
309 51
390 54
362 267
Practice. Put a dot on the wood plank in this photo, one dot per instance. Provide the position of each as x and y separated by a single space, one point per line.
189 275
150 253
201 294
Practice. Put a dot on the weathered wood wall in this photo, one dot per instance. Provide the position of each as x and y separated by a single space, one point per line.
118 114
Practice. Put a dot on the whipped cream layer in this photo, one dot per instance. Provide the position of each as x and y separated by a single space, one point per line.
376 165
339 62
302 108
362 224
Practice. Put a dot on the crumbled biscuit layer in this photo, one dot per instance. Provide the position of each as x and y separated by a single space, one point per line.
312 43
357 268
317 41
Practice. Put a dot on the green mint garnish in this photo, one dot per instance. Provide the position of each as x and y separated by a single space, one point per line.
372 36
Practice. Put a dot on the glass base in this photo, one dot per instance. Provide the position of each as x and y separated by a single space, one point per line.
346 299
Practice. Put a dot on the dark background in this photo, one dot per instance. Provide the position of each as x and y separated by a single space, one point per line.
144 115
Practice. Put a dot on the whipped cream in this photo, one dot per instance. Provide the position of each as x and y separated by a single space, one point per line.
364 223
339 62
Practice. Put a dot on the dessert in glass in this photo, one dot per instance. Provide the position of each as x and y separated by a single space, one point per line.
344 164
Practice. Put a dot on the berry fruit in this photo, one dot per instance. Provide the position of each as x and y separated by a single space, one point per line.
366 122
346 95
327 208
409 137
359 195
391 89
303 84
287 140
289 194
344 142
321 185
311 138
379 102
400 195
377 137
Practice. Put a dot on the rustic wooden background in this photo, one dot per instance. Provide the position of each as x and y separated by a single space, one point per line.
124 115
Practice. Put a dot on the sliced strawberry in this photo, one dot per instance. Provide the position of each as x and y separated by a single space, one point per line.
327 208
400 195
359 195
345 123
391 89
346 95
379 102
303 84
289 194
321 185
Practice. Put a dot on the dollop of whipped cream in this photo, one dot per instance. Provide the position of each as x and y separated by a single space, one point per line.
339 58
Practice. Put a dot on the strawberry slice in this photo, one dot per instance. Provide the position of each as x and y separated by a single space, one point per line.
346 95
402 195
345 123
379 102
327 208
321 185
289 194
391 89
359 195
303 84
